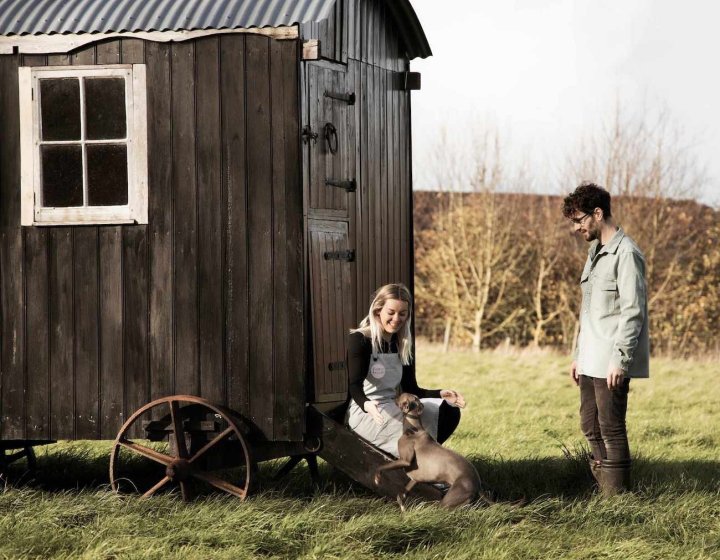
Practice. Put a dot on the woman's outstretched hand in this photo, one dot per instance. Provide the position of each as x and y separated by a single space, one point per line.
371 408
453 397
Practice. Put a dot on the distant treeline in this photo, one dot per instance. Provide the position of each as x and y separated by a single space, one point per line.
495 267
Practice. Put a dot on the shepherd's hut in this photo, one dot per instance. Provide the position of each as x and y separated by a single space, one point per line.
196 198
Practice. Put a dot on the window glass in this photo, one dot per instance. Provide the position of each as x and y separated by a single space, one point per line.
83 137
62 184
107 174
105 108
60 109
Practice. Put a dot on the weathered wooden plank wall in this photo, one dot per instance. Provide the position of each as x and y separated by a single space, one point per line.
207 298
288 319
382 231
12 263
362 53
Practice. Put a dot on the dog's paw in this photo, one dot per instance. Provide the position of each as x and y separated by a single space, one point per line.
401 501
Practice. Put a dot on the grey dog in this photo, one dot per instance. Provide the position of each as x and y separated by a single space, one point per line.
425 460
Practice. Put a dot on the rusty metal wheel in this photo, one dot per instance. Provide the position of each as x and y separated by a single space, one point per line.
182 441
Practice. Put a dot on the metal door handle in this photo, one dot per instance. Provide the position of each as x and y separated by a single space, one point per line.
331 137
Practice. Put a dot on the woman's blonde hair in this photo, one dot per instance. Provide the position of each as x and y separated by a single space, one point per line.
370 326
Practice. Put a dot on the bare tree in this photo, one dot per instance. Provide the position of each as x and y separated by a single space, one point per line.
550 268
478 251
495 262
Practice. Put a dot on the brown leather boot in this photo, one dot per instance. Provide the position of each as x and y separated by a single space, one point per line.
615 477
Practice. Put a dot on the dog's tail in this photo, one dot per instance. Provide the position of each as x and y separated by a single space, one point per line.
488 497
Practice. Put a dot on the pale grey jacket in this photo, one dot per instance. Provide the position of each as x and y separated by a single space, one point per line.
614 317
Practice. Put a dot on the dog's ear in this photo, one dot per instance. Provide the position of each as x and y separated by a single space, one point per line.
401 403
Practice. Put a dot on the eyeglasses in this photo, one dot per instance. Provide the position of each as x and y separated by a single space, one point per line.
581 219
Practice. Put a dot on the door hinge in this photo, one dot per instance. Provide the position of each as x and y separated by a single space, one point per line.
348 256
348 98
336 366
349 186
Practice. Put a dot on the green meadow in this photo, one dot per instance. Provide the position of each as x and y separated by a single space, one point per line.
520 429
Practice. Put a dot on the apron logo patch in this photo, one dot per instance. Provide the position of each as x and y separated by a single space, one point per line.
377 370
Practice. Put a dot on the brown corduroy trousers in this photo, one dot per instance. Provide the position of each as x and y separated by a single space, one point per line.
602 418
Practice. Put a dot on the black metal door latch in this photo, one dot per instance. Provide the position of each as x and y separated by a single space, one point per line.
308 134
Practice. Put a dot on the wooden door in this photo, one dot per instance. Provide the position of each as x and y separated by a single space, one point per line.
331 298
331 152
330 190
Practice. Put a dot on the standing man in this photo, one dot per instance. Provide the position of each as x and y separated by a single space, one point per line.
613 343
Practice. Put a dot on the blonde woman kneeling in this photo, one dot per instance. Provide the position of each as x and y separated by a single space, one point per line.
380 365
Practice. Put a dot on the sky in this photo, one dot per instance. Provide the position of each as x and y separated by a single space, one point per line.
546 73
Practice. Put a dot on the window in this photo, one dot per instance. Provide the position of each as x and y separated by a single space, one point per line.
83 144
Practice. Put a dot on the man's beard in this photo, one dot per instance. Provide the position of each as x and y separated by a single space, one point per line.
592 234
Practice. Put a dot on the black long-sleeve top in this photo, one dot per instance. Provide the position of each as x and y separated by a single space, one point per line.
358 361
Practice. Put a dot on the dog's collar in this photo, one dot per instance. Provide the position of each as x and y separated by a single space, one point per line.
413 416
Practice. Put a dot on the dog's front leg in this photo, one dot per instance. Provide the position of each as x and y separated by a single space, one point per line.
398 464
403 495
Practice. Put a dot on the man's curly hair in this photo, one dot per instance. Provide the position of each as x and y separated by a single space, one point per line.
585 199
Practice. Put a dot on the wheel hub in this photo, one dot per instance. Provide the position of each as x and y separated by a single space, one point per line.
179 470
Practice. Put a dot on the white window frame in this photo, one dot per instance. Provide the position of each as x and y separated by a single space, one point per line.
32 210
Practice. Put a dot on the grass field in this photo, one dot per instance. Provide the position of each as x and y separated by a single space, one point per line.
521 431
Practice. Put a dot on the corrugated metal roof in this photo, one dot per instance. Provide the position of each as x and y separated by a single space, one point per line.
46 17
410 28
42 17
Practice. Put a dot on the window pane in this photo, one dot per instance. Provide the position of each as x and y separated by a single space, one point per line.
107 174
60 109
105 108
62 176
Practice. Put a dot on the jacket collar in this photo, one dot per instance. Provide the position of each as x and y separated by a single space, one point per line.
610 247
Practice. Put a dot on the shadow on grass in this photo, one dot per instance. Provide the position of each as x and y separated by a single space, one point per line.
566 477
569 477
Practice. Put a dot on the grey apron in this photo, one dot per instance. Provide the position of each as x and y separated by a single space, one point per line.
381 385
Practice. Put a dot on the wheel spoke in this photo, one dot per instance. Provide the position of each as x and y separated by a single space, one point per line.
146 452
220 484
185 491
190 448
178 431
217 439
157 487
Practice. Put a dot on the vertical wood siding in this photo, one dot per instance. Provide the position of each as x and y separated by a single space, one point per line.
330 289
361 35
207 298
361 30
383 215
12 261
